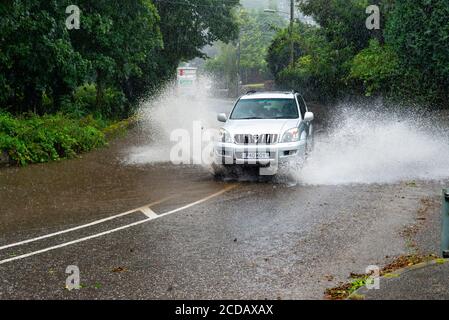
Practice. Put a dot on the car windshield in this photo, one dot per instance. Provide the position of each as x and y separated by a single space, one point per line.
265 109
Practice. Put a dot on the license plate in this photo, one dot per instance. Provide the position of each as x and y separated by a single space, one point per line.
256 155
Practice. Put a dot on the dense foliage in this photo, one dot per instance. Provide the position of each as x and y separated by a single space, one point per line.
33 139
257 29
123 51
418 32
407 59
53 78
314 72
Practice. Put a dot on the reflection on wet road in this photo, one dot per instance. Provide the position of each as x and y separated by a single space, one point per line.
101 183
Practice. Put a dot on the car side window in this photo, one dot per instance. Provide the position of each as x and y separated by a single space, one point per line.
302 105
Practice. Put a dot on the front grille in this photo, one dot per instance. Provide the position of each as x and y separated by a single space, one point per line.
256 138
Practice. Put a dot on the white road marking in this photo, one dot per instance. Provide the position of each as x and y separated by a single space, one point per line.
149 213
79 227
116 229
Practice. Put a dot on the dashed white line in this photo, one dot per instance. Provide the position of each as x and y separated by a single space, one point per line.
112 230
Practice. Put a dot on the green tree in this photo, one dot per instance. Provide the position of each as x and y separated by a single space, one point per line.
256 31
224 67
36 55
343 21
120 40
326 51
377 68
278 53
319 69
123 51
188 26
418 32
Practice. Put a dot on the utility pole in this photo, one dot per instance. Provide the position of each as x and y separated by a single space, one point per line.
238 64
290 29
292 21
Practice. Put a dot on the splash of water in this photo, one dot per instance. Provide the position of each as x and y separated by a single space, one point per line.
363 144
167 112
379 146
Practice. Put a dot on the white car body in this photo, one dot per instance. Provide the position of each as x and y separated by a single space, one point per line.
261 142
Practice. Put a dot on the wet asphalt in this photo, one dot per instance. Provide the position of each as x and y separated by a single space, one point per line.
257 240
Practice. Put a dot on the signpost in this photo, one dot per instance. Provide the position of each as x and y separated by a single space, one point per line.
187 79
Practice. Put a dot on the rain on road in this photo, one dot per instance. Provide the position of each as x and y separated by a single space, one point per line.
221 239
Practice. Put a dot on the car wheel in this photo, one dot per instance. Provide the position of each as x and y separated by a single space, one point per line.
218 170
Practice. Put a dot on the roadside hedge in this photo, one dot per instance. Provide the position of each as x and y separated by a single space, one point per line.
35 139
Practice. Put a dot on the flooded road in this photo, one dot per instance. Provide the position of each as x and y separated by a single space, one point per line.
178 233
48 196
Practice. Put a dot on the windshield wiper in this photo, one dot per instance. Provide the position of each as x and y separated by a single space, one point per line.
275 118
250 118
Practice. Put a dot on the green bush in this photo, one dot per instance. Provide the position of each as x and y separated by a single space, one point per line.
319 69
377 67
405 61
84 102
34 139
418 32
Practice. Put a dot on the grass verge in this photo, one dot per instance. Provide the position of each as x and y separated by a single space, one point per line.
30 138
346 290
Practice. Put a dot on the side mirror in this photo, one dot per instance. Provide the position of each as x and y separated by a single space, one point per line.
308 117
222 117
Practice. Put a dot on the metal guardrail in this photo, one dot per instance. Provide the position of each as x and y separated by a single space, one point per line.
445 224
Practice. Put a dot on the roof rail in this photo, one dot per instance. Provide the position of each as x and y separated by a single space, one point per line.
251 92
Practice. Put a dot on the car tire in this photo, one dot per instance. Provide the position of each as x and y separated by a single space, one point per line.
218 170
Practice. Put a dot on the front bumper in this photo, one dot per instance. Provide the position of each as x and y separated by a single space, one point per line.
233 154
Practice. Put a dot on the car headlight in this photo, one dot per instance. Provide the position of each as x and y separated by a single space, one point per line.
225 136
291 135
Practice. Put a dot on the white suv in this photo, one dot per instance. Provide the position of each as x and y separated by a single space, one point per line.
264 129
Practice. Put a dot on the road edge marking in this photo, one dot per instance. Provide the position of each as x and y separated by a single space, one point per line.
93 223
65 244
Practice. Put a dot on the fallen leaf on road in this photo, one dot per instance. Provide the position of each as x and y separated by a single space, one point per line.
329 277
